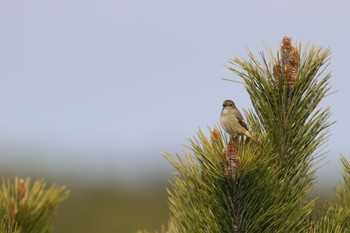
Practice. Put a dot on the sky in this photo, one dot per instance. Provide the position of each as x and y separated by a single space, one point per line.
104 87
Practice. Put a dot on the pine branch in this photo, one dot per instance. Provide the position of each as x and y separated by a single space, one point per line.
207 197
7 224
31 206
237 187
338 210
285 92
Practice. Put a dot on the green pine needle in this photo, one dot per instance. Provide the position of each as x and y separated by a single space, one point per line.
263 190
30 206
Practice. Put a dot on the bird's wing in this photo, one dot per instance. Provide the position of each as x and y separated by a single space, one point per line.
240 119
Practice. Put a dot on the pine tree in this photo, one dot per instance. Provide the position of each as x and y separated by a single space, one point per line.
227 186
28 208
337 211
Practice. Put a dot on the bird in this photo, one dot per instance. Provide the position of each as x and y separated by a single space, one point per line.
233 123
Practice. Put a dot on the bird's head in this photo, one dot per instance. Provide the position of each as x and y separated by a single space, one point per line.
228 104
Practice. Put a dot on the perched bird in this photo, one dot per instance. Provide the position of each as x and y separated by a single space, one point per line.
232 121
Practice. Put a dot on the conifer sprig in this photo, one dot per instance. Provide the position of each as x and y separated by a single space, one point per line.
7 224
287 103
286 91
219 187
203 194
30 206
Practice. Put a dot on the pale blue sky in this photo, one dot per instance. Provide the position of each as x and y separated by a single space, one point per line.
102 86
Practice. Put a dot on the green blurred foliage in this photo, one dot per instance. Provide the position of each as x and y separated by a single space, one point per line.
102 208
114 208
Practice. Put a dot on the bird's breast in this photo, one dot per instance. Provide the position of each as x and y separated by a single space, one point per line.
230 123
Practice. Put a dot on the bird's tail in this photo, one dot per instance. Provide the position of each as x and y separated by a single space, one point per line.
249 135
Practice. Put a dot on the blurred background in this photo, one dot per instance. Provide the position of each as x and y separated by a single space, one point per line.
92 92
